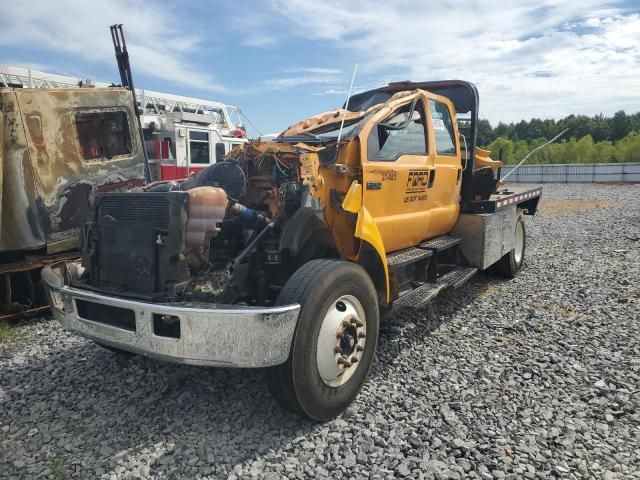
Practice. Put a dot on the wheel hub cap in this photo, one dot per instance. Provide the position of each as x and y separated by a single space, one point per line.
519 247
341 341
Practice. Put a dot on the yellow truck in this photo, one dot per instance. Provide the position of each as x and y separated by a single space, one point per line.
284 255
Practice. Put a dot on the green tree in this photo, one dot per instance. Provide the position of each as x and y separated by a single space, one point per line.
550 128
584 150
595 139
620 125
485 132
502 145
635 122
604 152
601 128
503 130
582 126
536 129
628 149
521 131
520 150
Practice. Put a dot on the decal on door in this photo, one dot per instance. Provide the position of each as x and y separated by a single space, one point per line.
417 184
387 175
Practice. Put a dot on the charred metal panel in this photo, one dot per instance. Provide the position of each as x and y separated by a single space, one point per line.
21 225
47 181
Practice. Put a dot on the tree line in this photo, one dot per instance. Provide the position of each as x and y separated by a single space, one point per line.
595 139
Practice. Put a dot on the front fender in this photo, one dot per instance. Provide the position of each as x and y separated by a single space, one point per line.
366 228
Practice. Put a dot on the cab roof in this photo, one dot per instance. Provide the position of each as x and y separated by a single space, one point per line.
462 94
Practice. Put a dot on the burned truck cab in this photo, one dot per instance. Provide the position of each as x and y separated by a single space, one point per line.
58 146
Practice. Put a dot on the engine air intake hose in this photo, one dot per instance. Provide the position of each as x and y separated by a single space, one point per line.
248 215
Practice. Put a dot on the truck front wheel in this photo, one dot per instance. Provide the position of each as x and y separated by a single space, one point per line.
334 342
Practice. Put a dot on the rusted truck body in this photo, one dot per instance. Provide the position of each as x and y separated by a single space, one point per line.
58 147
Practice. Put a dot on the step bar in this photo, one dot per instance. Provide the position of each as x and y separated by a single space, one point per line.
407 257
439 244
428 291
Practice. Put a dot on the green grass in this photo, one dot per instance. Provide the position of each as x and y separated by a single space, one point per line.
7 332
58 469
9 337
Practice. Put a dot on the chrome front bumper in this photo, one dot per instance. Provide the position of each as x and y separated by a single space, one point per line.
212 335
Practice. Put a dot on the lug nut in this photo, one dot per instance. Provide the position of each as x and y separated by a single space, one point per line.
337 350
359 348
342 361
361 335
346 323
354 360
354 320
359 323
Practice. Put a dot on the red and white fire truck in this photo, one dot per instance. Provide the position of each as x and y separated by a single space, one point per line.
184 135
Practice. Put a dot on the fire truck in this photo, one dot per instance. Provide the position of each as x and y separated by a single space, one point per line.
184 135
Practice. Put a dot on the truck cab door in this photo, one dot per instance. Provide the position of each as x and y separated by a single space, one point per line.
400 169
397 169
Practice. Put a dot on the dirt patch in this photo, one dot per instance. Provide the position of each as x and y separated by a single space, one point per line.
574 206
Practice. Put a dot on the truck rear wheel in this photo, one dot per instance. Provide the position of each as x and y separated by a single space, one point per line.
511 263
335 339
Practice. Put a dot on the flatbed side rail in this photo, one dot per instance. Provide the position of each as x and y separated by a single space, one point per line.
527 199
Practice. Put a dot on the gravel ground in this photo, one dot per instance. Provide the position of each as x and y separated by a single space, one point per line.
537 377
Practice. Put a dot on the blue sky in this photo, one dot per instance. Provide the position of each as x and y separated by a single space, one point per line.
283 60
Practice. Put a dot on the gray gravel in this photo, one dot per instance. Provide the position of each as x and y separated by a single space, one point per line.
538 377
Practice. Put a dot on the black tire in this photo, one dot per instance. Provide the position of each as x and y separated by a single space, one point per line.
317 286
123 353
511 263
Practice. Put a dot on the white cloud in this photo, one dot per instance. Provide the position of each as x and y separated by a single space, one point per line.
259 40
157 39
588 51
296 81
315 70
255 30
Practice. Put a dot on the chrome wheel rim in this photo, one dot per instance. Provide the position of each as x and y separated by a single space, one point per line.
519 247
341 341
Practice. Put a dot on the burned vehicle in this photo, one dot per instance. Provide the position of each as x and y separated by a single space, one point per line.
284 254
57 147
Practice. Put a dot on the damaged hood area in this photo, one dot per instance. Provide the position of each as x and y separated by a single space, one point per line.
329 121
324 120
